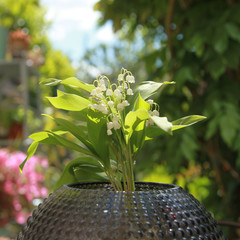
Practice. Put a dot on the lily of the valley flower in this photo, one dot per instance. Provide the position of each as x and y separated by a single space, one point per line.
95 91
130 79
109 132
116 125
102 108
118 94
120 77
109 92
129 91
111 104
107 101
154 112
150 101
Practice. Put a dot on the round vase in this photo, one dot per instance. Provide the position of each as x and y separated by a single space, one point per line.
96 211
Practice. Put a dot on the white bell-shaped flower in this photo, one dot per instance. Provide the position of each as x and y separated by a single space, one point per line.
150 101
118 94
120 88
109 125
155 113
120 77
109 132
120 107
101 82
94 92
125 103
129 91
116 125
130 79
149 122
115 118
102 87
109 92
111 104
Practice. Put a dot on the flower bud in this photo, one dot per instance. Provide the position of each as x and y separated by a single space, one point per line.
150 101
109 132
155 113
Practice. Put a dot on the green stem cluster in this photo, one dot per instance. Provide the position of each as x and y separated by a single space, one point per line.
125 166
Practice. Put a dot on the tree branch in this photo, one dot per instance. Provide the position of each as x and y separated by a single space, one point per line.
228 223
168 26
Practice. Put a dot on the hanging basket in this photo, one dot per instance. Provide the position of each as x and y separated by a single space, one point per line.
96 211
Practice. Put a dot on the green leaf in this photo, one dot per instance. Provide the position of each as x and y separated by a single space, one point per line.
186 121
229 126
132 120
74 82
71 82
138 134
40 136
89 174
212 126
69 174
183 74
153 131
140 103
50 81
220 40
73 90
30 152
97 133
216 67
68 144
138 138
147 89
163 123
50 137
75 130
60 93
69 102
233 30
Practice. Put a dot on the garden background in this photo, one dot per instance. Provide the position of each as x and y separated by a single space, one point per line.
194 43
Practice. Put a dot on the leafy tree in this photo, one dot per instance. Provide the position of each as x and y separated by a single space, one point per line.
196 44
28 16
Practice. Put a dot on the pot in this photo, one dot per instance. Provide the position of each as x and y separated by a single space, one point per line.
96 211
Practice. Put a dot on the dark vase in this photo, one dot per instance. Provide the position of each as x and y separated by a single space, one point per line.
96 211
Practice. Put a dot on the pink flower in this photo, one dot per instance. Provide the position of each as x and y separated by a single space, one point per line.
18 190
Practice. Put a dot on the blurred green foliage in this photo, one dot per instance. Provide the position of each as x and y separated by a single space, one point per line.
196 44
31 17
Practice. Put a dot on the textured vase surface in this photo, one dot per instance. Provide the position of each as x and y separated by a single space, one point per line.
96 211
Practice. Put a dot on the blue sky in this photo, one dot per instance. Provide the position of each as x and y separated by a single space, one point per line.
74 26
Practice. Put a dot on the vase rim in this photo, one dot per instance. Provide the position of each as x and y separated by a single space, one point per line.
106 186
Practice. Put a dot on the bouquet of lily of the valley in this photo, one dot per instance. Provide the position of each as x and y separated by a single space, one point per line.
110 123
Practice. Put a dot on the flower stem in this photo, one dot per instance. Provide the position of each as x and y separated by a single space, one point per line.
131 174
